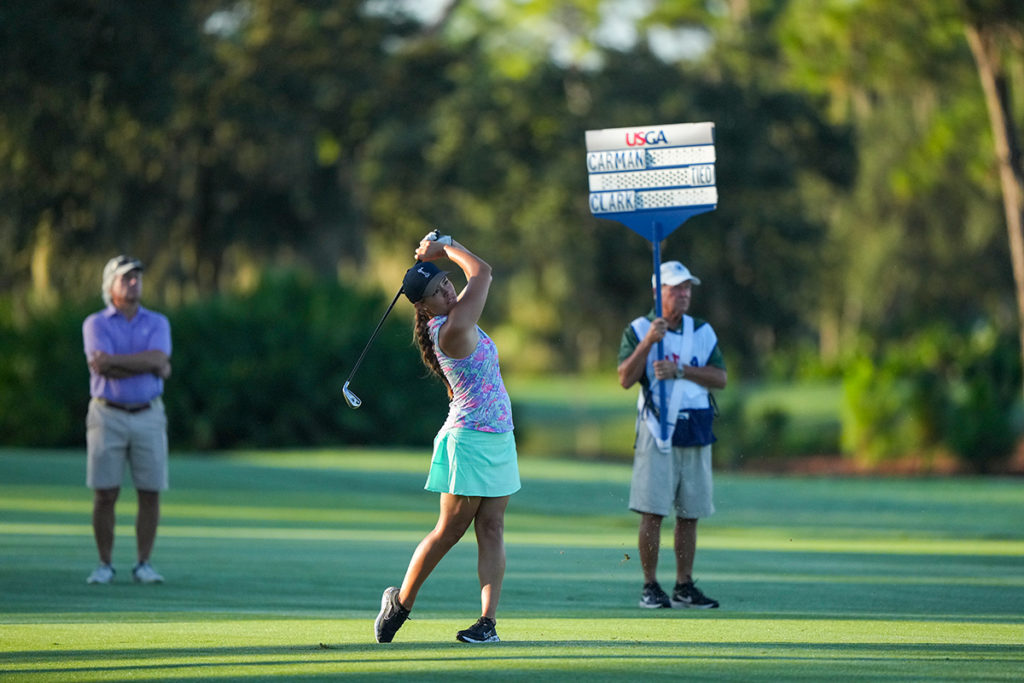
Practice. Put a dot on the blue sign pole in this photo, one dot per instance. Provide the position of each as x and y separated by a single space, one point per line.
662 392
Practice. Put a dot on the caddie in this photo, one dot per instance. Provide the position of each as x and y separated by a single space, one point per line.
674 473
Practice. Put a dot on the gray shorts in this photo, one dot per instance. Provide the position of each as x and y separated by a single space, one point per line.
115 438
679 481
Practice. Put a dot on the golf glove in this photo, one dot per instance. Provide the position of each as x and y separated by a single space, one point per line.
436 236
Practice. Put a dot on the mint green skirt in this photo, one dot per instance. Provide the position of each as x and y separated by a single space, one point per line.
467 462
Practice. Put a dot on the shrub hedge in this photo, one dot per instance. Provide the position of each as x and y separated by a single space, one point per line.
941 390
263 369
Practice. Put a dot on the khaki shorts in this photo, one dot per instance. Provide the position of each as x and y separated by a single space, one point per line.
115 438
679 481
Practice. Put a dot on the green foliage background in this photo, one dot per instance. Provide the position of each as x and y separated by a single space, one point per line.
247 371
257 370
939 391
222 142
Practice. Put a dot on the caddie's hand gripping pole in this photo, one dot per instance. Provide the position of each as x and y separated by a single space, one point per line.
662 395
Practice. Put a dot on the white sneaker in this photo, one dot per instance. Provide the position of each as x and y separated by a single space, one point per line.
143 572
102 574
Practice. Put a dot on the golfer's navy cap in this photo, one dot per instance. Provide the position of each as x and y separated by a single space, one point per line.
422 280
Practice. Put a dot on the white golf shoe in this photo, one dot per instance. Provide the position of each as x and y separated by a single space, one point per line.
102 574
143 572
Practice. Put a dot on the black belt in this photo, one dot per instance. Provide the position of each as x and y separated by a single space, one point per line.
138 408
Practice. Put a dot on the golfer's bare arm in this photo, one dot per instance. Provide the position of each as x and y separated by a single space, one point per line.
458 336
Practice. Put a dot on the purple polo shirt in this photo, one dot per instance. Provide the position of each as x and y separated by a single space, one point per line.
111 332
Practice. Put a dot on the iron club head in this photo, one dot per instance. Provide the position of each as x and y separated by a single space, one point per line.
351 399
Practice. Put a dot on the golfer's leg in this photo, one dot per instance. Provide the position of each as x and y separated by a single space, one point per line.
490 539
455 517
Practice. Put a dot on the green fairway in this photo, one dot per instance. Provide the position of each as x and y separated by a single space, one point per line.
275 564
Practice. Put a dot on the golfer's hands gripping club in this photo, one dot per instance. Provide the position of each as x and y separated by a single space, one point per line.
432 246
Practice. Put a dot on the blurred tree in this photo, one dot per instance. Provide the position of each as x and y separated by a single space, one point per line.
995 33
269 130
206 137
925 205
213 138
505 158
82 86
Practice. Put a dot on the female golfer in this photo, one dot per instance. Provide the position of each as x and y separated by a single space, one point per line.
474 466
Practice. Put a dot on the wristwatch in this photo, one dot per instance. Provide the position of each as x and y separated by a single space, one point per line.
680 372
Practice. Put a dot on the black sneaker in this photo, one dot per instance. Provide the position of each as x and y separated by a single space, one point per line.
392 616
653 597
480 632
688 595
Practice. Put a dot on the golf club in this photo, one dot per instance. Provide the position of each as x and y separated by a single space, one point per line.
351 399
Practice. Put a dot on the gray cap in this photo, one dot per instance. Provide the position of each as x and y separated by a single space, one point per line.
115 268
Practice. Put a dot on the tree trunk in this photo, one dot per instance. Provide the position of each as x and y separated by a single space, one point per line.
1007 147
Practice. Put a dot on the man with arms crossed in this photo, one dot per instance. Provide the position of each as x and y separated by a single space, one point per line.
674 473
128 349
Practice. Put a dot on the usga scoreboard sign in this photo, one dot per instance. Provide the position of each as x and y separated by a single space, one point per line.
652 178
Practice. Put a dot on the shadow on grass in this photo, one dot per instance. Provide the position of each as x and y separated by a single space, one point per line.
543 653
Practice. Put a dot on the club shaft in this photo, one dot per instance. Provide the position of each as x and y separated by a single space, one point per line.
359 361
374 335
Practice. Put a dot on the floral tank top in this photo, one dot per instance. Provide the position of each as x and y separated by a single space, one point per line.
479 399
